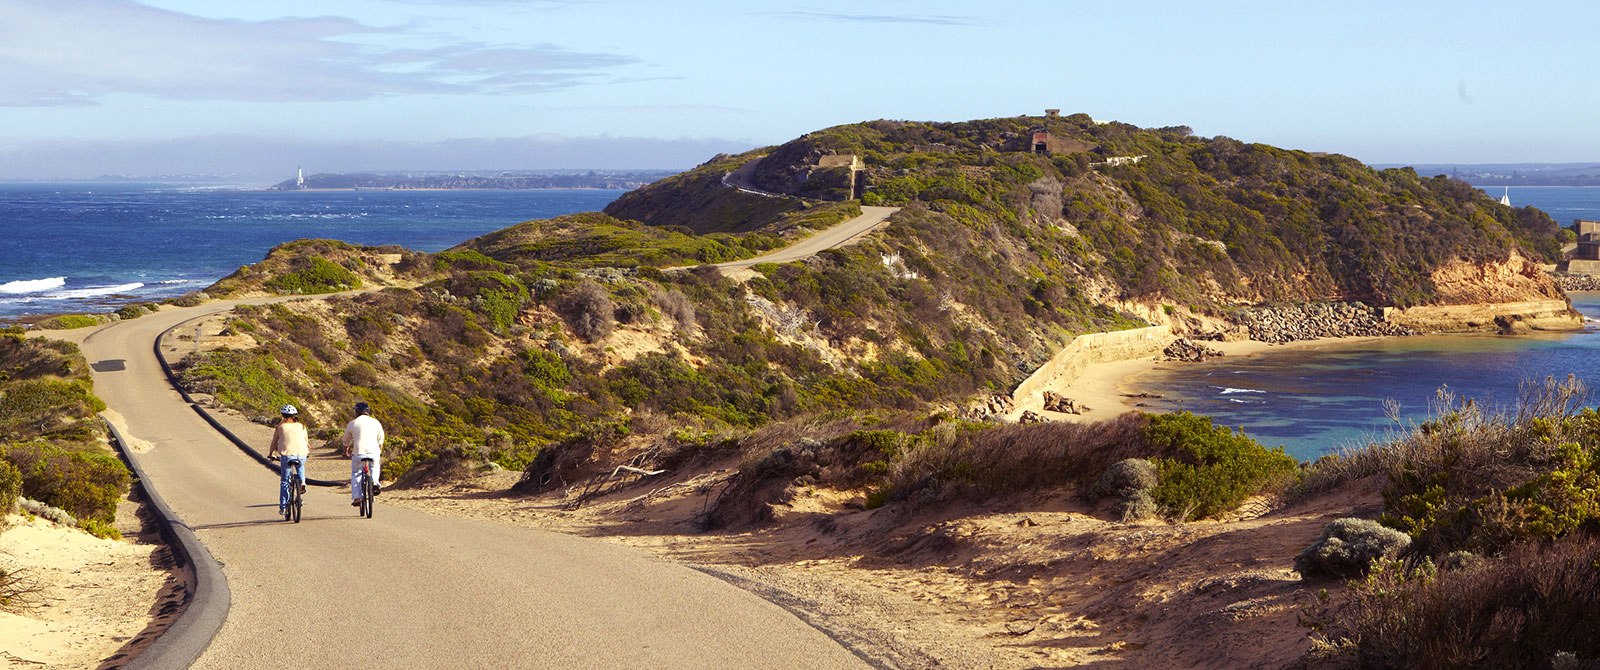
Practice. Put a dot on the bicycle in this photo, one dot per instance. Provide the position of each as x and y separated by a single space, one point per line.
297 485
366 488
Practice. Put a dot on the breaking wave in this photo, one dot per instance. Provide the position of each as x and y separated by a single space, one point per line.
22 286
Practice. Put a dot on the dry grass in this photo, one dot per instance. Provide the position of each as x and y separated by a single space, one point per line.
1461 435
1519 612
1019 458
19 591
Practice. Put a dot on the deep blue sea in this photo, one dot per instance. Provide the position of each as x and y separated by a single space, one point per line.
1316 401
90 247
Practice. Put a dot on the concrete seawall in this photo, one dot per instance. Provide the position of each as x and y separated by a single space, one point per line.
1086 350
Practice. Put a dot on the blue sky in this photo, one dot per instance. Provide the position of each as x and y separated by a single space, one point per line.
165 86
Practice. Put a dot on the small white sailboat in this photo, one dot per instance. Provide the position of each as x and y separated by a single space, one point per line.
1505 198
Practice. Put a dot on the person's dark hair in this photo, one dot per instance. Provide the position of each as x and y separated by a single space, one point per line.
363 408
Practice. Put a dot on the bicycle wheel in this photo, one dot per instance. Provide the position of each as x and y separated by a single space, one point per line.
366 489
295 501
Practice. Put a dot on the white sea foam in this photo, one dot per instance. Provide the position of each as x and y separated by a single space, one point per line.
32 285
1228 390
175 281
94 291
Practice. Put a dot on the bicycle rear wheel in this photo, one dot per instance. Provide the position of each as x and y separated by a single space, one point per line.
295 501
366 489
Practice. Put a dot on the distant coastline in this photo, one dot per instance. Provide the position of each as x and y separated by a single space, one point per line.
467 181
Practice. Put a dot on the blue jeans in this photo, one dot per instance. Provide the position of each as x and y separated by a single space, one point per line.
285 467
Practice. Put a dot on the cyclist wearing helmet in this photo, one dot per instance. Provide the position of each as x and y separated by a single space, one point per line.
289 441
363 438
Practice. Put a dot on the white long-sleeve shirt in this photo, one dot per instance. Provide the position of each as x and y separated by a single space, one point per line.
363 435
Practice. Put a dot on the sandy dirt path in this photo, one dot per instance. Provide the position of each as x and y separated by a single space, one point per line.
407 589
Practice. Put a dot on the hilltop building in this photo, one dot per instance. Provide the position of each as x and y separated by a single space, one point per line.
1585 258
850 162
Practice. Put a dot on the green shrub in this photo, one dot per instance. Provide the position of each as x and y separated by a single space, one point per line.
135 310
1348 547
249 381
359 373
10 485
189 299
101 529
1216 469
323 276
49 406
87 485
70 321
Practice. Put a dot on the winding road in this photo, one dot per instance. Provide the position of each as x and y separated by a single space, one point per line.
407 589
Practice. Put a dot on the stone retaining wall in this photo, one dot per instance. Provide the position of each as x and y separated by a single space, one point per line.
1085 350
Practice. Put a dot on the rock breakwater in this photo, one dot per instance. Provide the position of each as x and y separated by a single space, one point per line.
1309 321
1578 282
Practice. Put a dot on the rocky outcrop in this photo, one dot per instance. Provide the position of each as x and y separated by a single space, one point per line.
1504 317
1514 280
1056 402
1185 349
989 407
1309 321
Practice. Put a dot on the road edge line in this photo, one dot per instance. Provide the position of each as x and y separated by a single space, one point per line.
206 607
217 425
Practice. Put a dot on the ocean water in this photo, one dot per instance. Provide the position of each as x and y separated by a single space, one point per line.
1318 400
91 247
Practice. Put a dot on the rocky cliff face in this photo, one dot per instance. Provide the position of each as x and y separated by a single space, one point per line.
1516 279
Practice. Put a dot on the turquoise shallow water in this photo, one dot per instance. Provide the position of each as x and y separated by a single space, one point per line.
1316 400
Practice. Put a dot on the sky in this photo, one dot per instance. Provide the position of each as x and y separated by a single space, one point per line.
256 89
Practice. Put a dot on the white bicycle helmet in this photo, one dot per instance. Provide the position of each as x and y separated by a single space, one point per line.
288 410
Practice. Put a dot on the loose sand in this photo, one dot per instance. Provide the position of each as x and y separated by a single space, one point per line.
100 601
1039 581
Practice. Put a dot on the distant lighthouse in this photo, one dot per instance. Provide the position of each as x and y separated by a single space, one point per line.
299 177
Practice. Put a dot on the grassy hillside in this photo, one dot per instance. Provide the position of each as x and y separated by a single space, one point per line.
550 330
564 347
1196 220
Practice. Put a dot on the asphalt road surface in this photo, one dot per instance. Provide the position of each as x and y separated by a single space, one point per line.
871 219
412 590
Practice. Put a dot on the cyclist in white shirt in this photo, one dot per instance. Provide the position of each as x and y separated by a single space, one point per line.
363 438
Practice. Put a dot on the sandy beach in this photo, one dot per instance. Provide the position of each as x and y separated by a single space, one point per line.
1110 389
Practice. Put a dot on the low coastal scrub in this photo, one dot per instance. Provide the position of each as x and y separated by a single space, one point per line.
1536 607
1504 504
51 442
321 276
10 486
1215 469
938 459
244 380
71 321
85 483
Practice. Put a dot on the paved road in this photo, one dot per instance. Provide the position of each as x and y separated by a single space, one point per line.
411 590
872 218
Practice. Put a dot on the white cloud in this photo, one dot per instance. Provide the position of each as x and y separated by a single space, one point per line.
55 53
